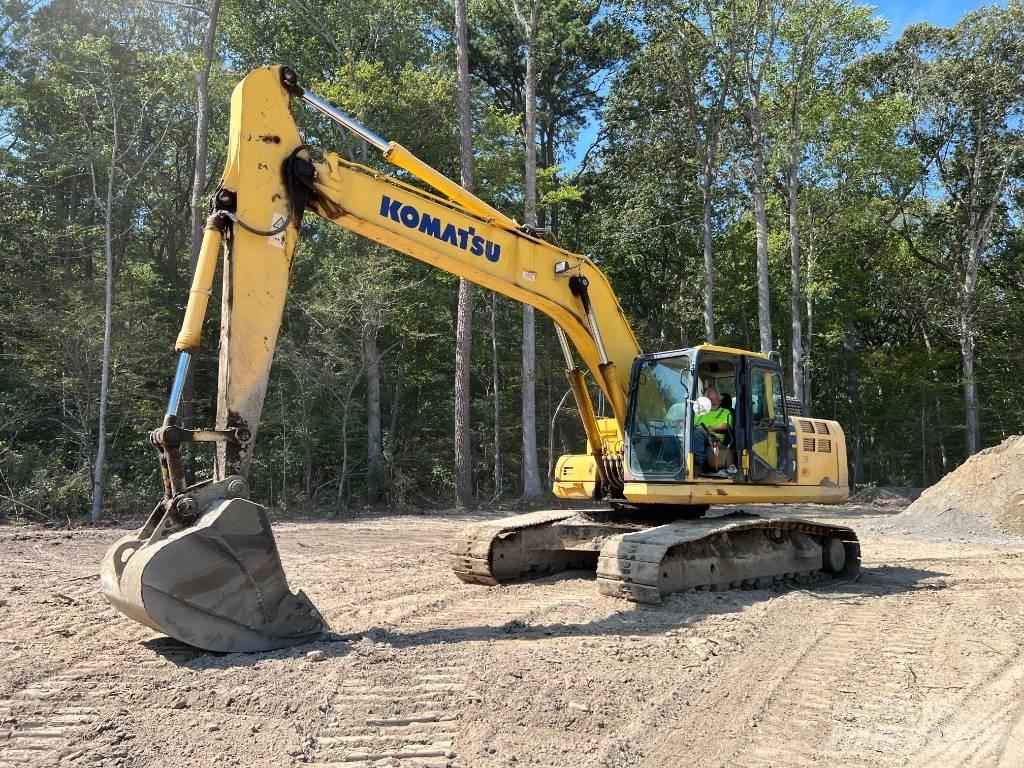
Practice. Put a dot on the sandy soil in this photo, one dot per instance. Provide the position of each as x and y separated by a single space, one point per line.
917 664
982 499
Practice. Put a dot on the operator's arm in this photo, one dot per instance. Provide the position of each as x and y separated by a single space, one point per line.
721 426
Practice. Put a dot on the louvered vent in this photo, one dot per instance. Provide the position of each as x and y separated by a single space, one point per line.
809 444
822 427
807 426
824 446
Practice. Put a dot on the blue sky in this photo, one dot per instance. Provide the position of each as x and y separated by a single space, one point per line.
943 13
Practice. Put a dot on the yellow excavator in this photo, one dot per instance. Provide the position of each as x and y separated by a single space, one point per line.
205 568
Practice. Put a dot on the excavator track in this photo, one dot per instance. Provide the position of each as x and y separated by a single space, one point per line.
479 553
732 552
642 561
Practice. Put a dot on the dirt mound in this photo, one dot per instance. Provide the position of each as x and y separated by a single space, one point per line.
983 497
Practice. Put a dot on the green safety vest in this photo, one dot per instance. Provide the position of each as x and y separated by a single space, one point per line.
715 418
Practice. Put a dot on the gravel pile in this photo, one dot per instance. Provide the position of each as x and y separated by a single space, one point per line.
982 499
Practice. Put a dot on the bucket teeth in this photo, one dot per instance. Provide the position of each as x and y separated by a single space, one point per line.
217 585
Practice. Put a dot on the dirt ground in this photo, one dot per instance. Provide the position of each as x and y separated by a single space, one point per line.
917 664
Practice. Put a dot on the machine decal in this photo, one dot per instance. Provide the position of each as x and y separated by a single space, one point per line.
466 239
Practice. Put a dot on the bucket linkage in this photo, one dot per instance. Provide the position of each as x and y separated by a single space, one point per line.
205 569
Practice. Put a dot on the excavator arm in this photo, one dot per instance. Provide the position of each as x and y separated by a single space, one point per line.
205 567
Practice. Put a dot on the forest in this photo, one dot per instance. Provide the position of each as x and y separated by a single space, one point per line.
782 175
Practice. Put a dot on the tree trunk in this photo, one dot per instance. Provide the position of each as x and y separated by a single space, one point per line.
709 263
307 448
967 348
756 130
373 444
341 502
924 442
808 383
937 402
497 395
856 457
198 217
108 309
284 448
531 468
795 308
396 397
755 124
203 129
464 320
764 299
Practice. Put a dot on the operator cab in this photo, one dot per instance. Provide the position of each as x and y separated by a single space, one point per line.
660 431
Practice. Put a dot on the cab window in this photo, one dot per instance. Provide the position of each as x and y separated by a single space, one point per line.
658 428
769 438
766 404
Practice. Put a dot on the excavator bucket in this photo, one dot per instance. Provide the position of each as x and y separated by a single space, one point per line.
217 584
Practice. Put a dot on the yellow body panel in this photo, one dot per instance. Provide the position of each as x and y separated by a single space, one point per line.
820 453
715 492
576 477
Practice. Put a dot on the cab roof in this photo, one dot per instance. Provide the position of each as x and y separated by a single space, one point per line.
729 351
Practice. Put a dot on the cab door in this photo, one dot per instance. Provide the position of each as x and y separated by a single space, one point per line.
766 429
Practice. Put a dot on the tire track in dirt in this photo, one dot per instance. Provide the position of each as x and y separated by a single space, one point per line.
408 722
49 718
918 678
804 711
979 722
792 719
399 609
43 709
50 707
413 718
498 606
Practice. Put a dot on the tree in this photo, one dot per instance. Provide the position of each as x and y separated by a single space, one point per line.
531 469
818 40
199 181
705 38
759 53
464 320
965 86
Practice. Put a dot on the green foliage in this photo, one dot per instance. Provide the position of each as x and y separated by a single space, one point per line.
887 178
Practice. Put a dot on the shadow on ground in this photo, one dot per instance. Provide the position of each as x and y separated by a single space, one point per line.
678 611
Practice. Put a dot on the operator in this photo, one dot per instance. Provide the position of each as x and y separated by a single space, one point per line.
715 425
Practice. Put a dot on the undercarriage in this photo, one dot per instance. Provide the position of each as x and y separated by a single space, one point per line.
647 556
